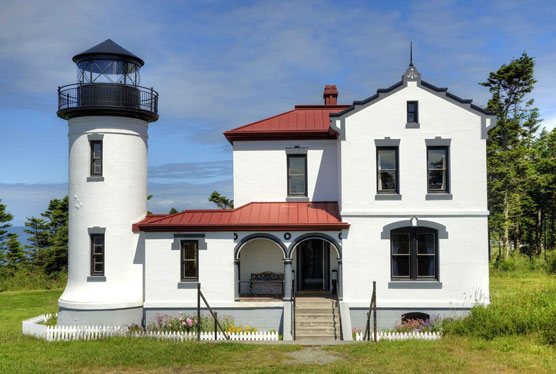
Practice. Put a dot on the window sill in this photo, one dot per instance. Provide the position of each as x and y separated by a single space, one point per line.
415 285
439 196
388 196
188 285
412 125
95 179
96 278
297 198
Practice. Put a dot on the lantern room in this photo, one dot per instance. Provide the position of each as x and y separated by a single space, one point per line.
108 83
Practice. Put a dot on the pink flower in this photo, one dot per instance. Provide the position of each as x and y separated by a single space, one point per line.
181 318
169 325
183 323
189 322
196 321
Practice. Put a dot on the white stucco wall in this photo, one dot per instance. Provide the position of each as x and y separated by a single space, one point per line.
463 264
258 256
387 118
114 204
260 170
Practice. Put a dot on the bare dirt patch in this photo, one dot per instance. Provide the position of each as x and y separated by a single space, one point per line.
314 355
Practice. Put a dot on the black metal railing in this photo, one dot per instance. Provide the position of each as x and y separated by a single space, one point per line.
111 95
214 315
339 314
293 308
261 288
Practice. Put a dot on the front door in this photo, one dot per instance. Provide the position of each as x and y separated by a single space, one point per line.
312 265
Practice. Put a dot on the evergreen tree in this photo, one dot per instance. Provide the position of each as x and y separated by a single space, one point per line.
5 218
507 146
173 211
222 202
56 216
14 255
39 240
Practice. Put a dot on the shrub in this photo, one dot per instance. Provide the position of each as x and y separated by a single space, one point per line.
184 323
30 278
521 314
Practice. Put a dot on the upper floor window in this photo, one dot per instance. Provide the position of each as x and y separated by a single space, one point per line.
414 253
437 169
96 158
297 175
412 112
97 254
189 260
387 169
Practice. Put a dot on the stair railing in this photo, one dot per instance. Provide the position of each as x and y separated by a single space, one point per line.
214 315
339 315
372 308
293 305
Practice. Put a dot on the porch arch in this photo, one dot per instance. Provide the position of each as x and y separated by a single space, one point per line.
263 236
320 236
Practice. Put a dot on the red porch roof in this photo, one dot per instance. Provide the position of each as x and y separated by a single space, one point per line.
303 122
256 216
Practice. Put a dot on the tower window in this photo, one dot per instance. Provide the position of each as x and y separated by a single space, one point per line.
96 158
97 254
412 112
297 175
189 260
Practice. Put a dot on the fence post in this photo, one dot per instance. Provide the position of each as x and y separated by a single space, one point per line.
215 326
374 311
199 311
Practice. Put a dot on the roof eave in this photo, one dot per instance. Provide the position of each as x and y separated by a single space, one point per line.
225 228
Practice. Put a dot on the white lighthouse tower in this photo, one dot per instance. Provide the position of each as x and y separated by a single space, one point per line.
108 113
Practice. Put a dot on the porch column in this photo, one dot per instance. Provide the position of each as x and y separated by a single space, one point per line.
236 279
287 279
340 280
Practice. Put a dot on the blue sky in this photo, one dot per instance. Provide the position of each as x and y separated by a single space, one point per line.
218 65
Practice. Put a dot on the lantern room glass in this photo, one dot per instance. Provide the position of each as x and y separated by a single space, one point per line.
108 71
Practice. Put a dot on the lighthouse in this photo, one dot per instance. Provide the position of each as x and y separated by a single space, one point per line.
108 115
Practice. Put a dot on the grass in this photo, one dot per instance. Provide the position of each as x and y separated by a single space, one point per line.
452 354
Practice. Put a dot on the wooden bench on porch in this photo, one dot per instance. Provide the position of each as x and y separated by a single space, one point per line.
266 283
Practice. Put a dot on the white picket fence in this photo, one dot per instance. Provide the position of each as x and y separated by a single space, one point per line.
34 328
401 336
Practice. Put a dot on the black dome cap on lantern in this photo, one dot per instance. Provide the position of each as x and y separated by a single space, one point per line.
108 50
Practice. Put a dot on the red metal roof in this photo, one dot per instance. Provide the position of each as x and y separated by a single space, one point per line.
304 122
257 216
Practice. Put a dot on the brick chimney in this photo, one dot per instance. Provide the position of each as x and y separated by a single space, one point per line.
330 95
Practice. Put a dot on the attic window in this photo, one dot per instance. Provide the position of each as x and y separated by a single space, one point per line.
412 112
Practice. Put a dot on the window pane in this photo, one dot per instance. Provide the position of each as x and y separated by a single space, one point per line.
400 244
437 180
437 158
97 250
98 239
190 269
386 159
425 244
99 268
411 117
297 185
189 251
297 166
387 181
425 266
97 149
400 266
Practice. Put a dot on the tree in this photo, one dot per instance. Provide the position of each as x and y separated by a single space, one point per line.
39 240
173 211
56 216
222 202
5 218
507 152
15 257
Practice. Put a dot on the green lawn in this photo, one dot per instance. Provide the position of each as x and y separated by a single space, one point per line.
452 354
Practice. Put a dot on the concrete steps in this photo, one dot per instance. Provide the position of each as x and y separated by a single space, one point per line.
316 319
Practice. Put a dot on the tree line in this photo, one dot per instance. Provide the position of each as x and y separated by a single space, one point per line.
521 175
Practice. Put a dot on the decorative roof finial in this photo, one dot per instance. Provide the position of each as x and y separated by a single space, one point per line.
410 53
